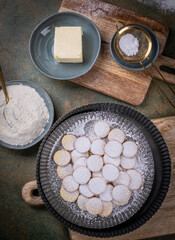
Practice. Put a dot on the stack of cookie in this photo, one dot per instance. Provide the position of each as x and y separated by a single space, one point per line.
98 170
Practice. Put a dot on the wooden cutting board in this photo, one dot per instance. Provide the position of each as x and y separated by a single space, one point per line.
106 76
162 223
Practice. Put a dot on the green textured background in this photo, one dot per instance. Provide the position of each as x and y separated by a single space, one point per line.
17 20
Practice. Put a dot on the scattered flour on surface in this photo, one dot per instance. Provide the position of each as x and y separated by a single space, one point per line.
81 125
163 5
26 115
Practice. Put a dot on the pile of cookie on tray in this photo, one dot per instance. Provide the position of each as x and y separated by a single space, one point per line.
98 172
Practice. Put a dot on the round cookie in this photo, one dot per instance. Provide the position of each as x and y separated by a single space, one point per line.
97 185
128 163
61 157
69 196
68 142
82 175
116 134
121 194
113 149
97 174
129 149
101 129
123 179
76 155
97 147
107 209
107 194
136 179
81 162
70 184
110 172
82 144
64 171
93 137
85 191
94 206
113 161
81 201
95 163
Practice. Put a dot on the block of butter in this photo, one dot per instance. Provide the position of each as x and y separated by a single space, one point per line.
68 44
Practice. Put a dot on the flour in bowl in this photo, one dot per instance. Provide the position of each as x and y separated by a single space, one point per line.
25 116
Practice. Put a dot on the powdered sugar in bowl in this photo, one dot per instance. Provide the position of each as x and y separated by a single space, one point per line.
27 117
136 48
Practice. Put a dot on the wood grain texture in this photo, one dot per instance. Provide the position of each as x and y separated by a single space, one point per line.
166 61
28 196
105 15
163 222
107 76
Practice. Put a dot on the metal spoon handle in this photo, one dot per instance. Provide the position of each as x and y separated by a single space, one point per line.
3 86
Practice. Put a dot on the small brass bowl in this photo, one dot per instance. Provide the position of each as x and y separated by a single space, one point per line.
148 47
145 43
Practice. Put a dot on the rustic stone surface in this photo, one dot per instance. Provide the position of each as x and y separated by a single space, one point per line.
17 20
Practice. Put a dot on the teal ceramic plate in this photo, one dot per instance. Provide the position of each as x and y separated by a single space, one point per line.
42 42
137 66
49 106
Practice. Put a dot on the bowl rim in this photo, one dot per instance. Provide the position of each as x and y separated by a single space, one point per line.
51 114
130 68
47 19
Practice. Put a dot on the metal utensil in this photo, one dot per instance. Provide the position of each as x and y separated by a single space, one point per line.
6 95
145 46
4 86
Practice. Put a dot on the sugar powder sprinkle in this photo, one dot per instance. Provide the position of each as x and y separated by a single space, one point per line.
129 45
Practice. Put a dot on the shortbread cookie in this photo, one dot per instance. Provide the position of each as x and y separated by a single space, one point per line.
93 137
129 149
82 144
113 161
81 201
110 172
70 184
76 155
107 194
128 163
97 174
94 206
85 191
107 209
95 163
113 149
121 194
123 179
81 162
136 179
82 175
97 185
68 142
69 196
64 171
101 129
116 134
97 147
61 157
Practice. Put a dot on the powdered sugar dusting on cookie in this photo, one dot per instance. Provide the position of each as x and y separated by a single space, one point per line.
82 125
